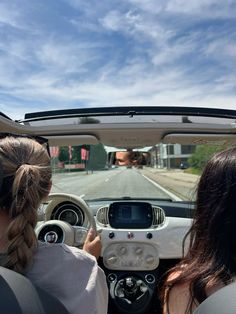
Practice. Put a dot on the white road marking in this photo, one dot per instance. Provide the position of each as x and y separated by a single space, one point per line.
82 195
173 196
107 180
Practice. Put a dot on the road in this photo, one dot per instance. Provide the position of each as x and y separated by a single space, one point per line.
116 183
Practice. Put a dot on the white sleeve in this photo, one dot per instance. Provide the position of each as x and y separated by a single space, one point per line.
101 293
71 275
97 289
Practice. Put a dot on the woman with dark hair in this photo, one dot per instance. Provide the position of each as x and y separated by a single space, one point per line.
70 274
210 261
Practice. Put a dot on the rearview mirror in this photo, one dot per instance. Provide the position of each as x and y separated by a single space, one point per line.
129 158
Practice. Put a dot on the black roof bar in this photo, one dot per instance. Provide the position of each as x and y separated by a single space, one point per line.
129 111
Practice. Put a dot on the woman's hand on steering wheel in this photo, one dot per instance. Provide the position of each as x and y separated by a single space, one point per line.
92 243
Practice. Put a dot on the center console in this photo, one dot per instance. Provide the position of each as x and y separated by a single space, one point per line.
130 254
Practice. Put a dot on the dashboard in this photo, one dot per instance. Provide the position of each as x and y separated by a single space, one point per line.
138 238
125 226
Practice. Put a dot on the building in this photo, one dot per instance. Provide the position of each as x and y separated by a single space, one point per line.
171 155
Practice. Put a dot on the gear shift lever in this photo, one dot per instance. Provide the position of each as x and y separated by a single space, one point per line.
130 287
132 294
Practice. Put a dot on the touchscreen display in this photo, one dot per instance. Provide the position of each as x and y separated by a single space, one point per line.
130 215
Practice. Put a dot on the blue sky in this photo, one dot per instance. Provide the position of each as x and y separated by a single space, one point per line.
88 53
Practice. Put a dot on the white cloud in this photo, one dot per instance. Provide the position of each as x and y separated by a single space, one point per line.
222 48
150 6
172 88
135 53
117 21
202 8
9 15
66 57
135 24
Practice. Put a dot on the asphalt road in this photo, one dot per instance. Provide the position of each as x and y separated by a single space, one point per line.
115 183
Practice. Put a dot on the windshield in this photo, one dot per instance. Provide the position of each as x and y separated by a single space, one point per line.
172 172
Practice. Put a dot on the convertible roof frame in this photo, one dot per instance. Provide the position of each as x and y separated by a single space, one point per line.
129 111
125 132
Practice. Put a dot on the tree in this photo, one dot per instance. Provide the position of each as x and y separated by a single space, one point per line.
202 154
63 154
97 157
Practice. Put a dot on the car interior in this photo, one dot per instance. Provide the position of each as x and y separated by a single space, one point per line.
142 210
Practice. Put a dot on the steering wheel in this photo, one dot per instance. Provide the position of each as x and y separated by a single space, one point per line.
58 231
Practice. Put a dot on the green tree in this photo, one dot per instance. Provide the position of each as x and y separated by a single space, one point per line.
76 154
202 154
97 157
63 154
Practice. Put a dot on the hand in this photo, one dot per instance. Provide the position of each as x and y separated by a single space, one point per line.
93 244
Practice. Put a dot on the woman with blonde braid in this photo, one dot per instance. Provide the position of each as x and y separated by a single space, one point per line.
70 274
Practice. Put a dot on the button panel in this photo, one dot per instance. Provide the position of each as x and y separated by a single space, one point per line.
131 256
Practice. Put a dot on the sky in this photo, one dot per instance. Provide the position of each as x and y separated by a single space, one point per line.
61 54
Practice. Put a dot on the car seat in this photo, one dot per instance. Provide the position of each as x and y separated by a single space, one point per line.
222 301
20 296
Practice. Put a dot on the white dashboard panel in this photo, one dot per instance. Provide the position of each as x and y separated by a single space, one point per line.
167 238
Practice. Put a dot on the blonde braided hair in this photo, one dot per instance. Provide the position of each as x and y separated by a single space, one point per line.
26 182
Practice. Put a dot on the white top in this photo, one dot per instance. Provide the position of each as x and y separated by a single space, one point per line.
71 275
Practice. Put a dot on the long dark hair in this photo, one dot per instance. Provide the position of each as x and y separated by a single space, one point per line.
212 237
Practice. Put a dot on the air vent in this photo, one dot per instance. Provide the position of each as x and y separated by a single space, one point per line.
102 216
158 216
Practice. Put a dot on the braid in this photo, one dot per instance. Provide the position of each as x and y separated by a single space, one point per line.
22 243
25 187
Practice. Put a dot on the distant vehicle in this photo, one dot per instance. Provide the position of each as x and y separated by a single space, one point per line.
183 165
